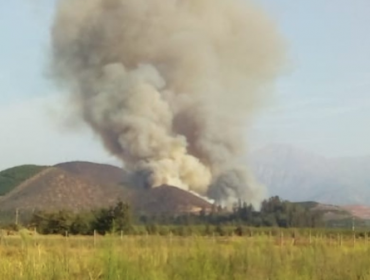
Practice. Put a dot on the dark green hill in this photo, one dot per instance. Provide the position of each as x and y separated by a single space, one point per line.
12 177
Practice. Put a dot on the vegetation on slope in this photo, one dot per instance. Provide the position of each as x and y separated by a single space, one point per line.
12 177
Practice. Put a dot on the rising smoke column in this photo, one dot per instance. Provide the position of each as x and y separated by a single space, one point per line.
170 85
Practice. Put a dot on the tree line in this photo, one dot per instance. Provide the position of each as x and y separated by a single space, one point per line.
274 213
105 220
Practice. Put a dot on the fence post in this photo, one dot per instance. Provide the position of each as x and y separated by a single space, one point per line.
281 238
354 239
338 239
66 237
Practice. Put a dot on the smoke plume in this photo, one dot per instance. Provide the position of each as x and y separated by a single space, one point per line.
170 85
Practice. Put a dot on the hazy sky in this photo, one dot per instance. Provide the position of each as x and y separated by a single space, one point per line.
322 101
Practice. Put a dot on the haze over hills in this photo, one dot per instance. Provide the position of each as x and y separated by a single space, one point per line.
298 175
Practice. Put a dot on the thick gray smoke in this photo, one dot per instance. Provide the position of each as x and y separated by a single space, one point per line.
170 85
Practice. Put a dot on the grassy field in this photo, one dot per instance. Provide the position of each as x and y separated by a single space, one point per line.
184 258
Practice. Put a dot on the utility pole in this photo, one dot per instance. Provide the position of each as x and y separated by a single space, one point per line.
16 216
353 224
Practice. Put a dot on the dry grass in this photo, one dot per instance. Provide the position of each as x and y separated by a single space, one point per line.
177 258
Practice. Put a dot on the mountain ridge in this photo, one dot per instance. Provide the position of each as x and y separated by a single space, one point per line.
298 175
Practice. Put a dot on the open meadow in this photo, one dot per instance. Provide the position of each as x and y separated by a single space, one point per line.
182 258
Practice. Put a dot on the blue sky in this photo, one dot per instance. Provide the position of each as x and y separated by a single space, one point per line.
322 101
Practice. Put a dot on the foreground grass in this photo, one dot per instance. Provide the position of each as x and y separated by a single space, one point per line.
188 258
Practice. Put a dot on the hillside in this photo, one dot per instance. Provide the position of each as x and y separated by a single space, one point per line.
298 175
12 177
83 185
362 212
168 200
54 189
94 172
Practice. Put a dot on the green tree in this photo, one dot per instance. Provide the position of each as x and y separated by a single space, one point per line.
122 217
117 218
81 225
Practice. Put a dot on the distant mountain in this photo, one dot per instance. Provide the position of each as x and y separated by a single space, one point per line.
298 175
83 185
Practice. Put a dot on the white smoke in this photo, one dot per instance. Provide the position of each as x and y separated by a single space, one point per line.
170 85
